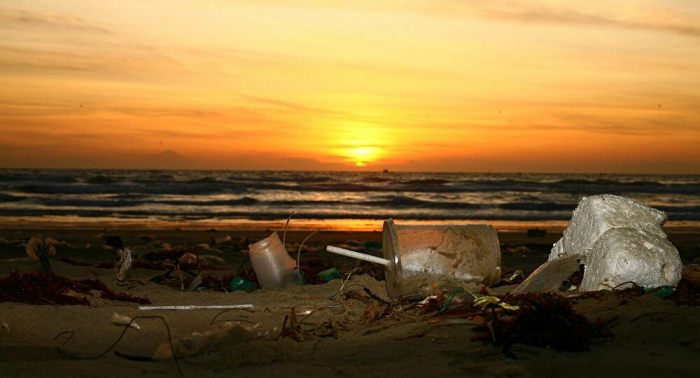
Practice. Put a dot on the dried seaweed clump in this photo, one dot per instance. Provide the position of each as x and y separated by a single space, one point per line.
542 320
47 288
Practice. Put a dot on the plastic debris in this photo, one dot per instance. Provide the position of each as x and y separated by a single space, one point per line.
621 243
123 265
550 275
191 307
662 292
424 260
199 343
124 320
330 274
271 262
597 214
623 256
241 284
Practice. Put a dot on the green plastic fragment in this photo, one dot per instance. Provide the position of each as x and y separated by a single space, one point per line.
661 292
241 284
330 274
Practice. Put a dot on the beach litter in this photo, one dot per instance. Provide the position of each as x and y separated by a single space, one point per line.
620 242
625 255
229 333
423 260
550 275
123 265
272 264
241 284
193 307
329 274
124 320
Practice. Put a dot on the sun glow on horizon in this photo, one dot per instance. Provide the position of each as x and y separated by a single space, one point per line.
363 155
417 85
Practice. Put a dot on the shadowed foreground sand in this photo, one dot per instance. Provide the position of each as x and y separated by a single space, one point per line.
349 335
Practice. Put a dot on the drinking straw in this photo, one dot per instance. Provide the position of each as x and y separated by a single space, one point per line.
225 307
357 255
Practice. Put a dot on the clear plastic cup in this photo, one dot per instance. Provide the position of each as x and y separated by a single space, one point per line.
429 259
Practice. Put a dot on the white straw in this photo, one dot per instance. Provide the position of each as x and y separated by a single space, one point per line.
230 307
357 255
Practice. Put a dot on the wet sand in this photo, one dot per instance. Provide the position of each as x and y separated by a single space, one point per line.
342 336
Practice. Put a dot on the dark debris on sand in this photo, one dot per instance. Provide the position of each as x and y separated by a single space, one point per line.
47 288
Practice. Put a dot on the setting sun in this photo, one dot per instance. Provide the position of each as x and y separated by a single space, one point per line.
363 155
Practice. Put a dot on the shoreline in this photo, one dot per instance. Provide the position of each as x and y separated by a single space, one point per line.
343 225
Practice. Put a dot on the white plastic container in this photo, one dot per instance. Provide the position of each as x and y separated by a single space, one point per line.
271 262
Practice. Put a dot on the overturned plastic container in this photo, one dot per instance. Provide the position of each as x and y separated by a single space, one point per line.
271 262
424 260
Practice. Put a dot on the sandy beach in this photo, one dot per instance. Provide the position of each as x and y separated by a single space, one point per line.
531 154
359 332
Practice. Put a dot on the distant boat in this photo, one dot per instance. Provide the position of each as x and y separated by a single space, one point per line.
385 171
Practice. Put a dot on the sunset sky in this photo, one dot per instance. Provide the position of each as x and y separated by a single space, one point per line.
420 85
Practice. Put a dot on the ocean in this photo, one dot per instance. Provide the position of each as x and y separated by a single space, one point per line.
212 197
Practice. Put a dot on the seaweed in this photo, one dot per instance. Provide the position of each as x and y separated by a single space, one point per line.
687 293
42 288
542 320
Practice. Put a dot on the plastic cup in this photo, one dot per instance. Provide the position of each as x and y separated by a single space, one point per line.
423 260
430 259
271 262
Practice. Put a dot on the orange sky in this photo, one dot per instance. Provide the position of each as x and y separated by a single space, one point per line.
426 85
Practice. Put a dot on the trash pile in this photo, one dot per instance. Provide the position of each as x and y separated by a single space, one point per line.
446 274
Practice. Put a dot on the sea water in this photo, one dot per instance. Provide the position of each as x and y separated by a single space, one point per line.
340 197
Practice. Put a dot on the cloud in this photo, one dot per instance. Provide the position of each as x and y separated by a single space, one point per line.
516 12
94 61
575 18
299 108
54 21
